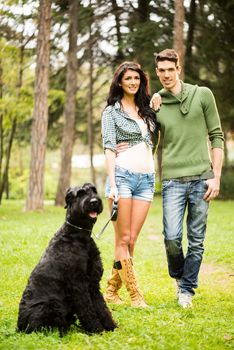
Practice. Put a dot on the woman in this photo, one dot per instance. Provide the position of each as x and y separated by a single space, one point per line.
128 118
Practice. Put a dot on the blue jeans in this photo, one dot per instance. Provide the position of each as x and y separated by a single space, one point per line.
177 196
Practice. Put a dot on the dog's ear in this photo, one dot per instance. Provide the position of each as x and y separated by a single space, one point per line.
68 197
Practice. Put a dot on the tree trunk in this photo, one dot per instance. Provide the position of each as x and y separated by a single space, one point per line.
178 41
70 106
190 37
137 23
191 23
115 10
90 112
40 115
143 10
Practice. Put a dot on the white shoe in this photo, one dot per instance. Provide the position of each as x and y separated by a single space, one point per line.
185 300
177 288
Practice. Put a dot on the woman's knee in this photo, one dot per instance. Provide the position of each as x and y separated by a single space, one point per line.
132 241
131 247
123 239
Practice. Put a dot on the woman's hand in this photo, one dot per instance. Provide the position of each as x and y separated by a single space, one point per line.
113 193
155 102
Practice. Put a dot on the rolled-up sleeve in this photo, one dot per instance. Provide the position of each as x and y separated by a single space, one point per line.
212 119
108 130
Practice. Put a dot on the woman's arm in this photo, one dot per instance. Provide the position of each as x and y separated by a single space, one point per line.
110 166
109 145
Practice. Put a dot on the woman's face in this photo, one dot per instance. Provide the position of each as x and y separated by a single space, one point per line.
130 82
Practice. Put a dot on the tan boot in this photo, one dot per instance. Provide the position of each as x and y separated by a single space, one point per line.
114 283
128 277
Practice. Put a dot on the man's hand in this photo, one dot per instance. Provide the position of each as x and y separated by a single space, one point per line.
155 102
121 147
213 189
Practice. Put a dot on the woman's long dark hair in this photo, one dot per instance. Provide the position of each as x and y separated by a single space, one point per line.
142 97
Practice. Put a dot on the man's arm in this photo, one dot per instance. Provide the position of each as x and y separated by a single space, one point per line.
216 139
214 184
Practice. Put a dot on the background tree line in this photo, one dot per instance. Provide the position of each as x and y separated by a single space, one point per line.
57 58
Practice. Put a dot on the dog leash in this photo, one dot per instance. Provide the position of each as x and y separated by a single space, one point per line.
113 217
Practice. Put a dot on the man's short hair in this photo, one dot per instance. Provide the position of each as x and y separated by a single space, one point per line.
167 55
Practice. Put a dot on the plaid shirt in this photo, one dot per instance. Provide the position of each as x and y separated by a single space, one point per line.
118 126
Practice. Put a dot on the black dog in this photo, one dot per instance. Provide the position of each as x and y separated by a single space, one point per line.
64 286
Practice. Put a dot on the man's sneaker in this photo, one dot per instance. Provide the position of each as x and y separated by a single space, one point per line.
177 288
185 300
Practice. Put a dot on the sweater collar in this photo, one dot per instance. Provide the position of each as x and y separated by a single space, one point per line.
185 101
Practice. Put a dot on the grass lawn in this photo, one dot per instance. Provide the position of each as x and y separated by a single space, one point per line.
164 325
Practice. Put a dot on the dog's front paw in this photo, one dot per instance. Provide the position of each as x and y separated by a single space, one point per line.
110 325
95 328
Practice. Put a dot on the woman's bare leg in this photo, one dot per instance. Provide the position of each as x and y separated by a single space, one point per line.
139 212
122 228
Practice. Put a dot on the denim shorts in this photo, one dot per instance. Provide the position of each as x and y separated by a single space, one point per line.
133 185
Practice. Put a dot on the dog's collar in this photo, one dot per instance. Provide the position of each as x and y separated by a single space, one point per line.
79 228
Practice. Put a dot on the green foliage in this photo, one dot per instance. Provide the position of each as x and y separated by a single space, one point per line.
163 326
15 107
227 183
115 31
211 63
55 126
16 102
18 183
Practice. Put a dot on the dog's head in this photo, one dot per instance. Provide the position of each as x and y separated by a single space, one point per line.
83 205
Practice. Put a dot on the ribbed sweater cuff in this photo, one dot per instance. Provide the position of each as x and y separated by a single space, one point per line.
217 144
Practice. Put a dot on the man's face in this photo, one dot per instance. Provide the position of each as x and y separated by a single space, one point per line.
168 74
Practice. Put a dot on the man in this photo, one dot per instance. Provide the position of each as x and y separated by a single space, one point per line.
188 117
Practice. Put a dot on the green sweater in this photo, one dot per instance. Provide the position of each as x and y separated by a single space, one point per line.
186 123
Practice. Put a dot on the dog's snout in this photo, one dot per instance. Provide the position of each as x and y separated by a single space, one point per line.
93 200
95 204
